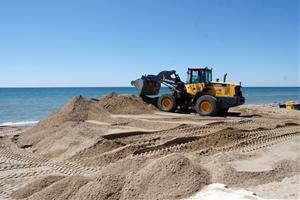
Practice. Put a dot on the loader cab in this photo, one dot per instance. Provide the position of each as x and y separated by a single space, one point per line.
199 75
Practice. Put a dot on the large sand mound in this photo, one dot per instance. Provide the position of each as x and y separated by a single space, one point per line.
63 189
169 177
77 110
123 162
125 104
35 186
65 129
106 187
109 182
65 132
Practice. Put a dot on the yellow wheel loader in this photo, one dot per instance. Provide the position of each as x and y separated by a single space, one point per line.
199 92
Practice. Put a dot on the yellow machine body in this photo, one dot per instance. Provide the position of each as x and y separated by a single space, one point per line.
199 83
289 105
199 92
217 89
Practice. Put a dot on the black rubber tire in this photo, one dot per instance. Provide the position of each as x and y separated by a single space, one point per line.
211 100
172 99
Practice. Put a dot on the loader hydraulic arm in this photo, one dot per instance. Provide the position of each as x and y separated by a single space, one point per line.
165 77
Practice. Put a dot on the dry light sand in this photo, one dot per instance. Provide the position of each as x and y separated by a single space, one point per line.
118 147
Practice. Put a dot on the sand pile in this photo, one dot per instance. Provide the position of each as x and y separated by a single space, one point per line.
108 187
169 177
108 183
63 189
125 104
35 186
65 132
77 110
130 163
65 129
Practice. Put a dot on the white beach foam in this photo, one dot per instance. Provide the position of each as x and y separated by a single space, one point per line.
21 123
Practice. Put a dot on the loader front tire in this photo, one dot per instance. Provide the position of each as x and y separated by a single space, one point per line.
206 105
166 103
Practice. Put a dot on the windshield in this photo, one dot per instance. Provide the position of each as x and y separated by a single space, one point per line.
198 76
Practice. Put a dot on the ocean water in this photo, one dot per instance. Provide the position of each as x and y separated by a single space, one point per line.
29 105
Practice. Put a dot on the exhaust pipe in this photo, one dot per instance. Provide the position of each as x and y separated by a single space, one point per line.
224 79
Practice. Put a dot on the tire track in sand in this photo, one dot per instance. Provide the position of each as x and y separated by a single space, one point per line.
245 141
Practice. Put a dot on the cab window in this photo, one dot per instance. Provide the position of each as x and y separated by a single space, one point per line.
199 76
195 77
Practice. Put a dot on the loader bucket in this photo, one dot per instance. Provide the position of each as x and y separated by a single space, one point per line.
147 85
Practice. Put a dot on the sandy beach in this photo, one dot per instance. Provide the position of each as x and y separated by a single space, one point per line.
119 147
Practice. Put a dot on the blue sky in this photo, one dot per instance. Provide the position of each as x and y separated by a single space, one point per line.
111 42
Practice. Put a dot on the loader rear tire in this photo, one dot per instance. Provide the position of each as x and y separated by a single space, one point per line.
166 103
206 105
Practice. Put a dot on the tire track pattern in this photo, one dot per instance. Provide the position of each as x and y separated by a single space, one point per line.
28 160
247 141
196 138
18 165
156 137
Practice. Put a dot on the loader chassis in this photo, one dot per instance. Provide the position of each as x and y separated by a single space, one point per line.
199 92
224 93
